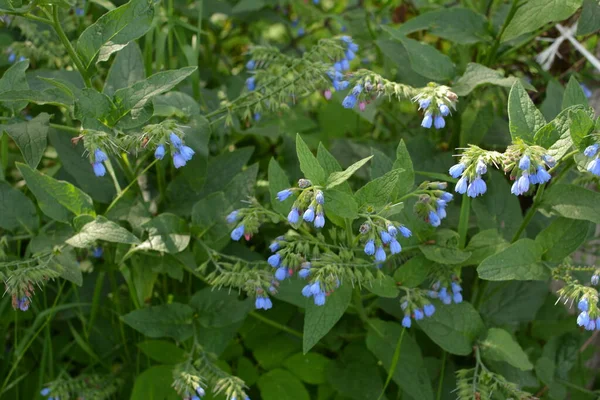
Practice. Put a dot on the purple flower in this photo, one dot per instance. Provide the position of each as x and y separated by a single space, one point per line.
424 103
186 152
404 231
524 163
462 185
434 219
349 101
385 237
480 168
406 322
591 151
594 167
293 216
232 217
274 260
306 291
309 214
160 152
175 140
429 309
319 221
456 170
427 120
319 198
319 299
370 248
284 194
178 160
583 318
237 233
304 273
315 288
380 254
281 273
99 169
457 297
477 187
444 110
542 175
583 304
97 252
418 314
439 122
100 156
251 83
395 247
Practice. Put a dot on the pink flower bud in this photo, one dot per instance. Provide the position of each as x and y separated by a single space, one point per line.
362 105
327 94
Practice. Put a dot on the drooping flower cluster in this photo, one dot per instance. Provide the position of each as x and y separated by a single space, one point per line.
248 220
432 203
415 305
342 65
472 165
309 204
436 103
283 259
447 294
594 165
378 233
319 290
527 166
98 162
588 318
180 152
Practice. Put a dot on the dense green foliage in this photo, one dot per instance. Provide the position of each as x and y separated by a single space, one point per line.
244 199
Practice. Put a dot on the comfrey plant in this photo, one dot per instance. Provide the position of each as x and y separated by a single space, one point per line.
153 246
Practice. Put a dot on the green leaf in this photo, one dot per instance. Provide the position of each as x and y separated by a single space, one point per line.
278 181
31 137
581 127
589 21
454 327
219 308
93 108
308 163
512 302
534 14
383 286
280 384
114 30
476 75
309 367
272 353
413 272
318 320
475 122
211 226
167 320
162 351
176 104
445 249
16 210
337 178
562 237
524 118
456 24
500 209
573 202
499 345
574 95
520 261
246 6
483 245
425 59
558 139
410 374
53 96
223 168
380 165
14 80
102 229
331 165
154 383
355 376
57 199
406 177
377 193
127 69
341 204
166 233
133 98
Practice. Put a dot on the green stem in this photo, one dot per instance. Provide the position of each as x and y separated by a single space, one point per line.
395 360
56 24
442 372
463 223
133 182
492 55
530 213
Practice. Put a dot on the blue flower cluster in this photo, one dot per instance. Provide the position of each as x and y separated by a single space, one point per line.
433 117
353 97
445 294
531 173
418 314
12 57
378 237
197 396
99 158
181 154
263 302
276 260
594 165
21 303
97 252
238 231
584 318
309 204
470 181
436 103
316 291
335 74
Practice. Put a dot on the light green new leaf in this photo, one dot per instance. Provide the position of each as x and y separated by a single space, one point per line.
340 203
318 320
166 233
279 384
13 81
589 21
454 327
16 210
534 14
573 202
167 320
309 367
127 69
562 237
378 192
499 345
58 199
520 261
114 30
308 163
133 98
102 229
337 178
574 95
524 118
31 137
476 75
410 372
278 181
331 165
